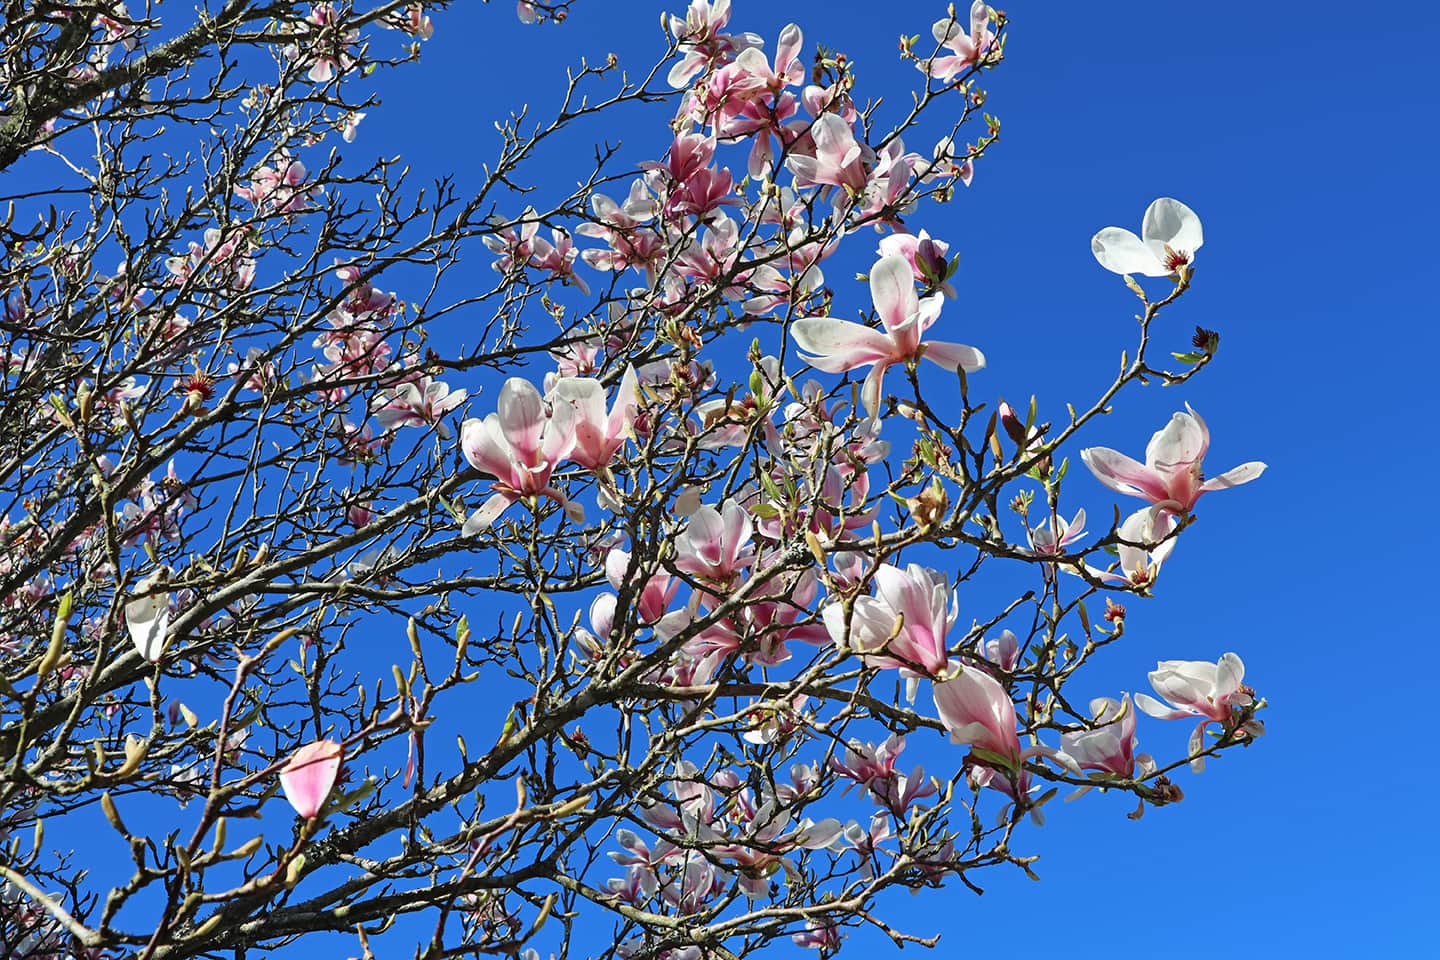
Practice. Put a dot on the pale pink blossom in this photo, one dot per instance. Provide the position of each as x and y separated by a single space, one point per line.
1108 745
1197 688
976 709
309 775
715 544
147 617
1003 651
836 346
903 625
419 403
598 435
966 49
836 158
520 445
1146 543
1052 535
700 40
1171 474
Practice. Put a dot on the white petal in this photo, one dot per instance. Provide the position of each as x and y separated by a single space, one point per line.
1171 222
1120 251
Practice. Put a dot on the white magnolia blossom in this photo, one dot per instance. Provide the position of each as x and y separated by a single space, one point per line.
1168 239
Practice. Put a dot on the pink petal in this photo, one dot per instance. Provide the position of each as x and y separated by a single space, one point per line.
309 775
1124 474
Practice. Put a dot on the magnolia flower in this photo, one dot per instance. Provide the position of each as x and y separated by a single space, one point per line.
597 435
1052 536
1003 651
903 625
715 543
1171 474
519 445
1168 239
967 49
147 617
1196 688
1109 746
419 403
1144 547
309 775
977 710
840 345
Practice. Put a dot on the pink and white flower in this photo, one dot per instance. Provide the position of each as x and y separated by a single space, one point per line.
836 346
1197 688
520 445
1171 474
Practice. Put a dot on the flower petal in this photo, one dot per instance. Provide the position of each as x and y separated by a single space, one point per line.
954 356
1170 222
839 345
1120 251
1234 477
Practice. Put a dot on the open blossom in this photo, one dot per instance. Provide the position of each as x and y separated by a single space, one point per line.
1171 474
715 544
698 36
309 775
1196 688
836 346
278 186
835 157
1169 237
520 445
1109 746
1054 534
903 625
419 403
966 49
598 435
1145 545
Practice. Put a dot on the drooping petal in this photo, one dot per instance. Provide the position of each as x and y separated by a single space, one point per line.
1120 251
488 513
309 775
1158 710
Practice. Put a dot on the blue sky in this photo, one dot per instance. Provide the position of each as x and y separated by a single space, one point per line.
1301 136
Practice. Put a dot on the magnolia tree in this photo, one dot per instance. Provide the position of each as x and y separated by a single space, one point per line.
585 607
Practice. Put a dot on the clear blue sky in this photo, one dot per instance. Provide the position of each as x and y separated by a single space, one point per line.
1304 136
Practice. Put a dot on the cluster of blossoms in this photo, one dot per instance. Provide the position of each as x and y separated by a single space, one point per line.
753 568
